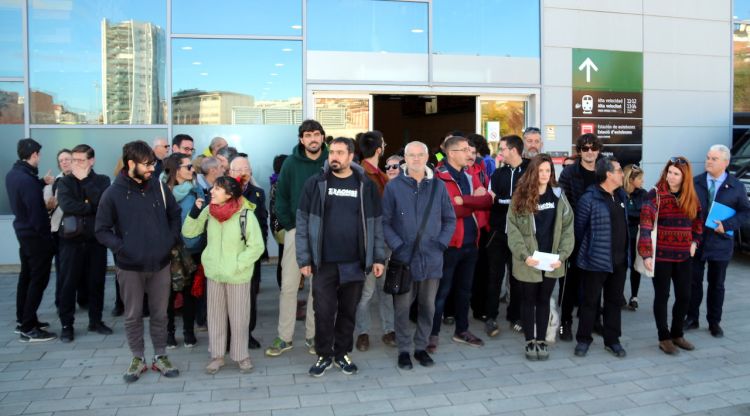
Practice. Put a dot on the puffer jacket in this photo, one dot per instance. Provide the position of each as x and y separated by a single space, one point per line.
404 205
593 230
522 240
226 258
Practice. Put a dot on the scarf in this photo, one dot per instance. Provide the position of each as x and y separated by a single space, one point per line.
274 178
225 212
182 190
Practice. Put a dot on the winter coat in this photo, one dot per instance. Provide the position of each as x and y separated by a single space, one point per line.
404 205
593 229
471 204
675 232
503 182
732 193
196 244
571 180
226 258
81 198
522 239
295 171
478 171
25 196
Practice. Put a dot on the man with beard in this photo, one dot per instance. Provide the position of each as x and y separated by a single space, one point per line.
140 222
339 239
305 161
532 142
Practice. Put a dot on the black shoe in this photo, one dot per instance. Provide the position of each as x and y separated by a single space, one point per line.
617 350
715 330
37 335
346 365
253 343
100 328
172 341
404 362
67 334
424 359
39 325
581 349
690 323
320 366
566 332
117 310
189 339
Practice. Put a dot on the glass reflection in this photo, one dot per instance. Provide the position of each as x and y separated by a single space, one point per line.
343 117
238 17
741 9
11 103
741 48
221 81
97 63
11 38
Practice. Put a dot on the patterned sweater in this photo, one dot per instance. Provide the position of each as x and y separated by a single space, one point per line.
675 230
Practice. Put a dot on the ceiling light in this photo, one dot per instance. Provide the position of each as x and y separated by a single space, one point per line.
279 65
273 74
197 63
204 74
296 27
187 48
417 31
286 50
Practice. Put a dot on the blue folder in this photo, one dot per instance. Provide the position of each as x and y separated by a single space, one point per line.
719 212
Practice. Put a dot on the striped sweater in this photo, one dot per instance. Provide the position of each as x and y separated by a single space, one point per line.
675 230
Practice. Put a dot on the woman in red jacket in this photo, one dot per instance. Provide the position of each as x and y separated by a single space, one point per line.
679 227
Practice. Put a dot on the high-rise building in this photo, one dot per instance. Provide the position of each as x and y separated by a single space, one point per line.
132 77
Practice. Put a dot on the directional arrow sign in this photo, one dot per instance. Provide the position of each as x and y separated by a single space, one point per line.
588 65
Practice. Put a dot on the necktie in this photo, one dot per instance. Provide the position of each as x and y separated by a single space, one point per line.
712 191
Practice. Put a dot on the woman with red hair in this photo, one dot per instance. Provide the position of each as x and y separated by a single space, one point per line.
674 205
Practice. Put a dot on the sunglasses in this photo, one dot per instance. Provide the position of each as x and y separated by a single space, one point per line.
189 167
393 166
589 149
636 168
678 160
532 130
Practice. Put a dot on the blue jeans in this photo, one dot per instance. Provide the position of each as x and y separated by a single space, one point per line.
458 275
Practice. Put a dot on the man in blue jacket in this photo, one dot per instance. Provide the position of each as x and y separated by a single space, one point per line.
32 228
715 185
404 205
601 229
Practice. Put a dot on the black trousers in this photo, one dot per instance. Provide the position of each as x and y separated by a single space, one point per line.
498 258
278 265
254 289
665 273
82 262
635 277
36 261
569 297
335 307
717 273
188 310
479 294
535 307
594 283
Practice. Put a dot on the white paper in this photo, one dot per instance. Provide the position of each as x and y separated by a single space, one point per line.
545 260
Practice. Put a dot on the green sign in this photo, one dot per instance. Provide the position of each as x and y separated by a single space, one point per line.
600 70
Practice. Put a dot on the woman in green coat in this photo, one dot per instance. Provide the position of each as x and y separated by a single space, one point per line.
228 261
539 219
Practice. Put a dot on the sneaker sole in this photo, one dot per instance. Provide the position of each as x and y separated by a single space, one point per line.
347 372
460 341
321 374
132 378
167 374
171 347
27 340
190 345
279 352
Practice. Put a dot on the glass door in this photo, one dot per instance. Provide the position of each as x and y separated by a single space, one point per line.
343 114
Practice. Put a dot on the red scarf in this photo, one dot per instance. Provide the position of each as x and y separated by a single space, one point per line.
225 212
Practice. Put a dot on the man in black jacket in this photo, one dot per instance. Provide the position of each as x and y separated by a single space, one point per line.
339 239
574 180
503 182
32 227
140 222
82 258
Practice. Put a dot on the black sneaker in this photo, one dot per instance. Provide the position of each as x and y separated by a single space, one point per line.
404 362
189 339
172 341
39 325
320 366
424 359
37 335
346 365
67 334
100 328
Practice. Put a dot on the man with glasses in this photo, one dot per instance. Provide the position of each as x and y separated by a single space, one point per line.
716 247
161 151
306 160
182 143
574 180
532 140
468 196
139 220
83 260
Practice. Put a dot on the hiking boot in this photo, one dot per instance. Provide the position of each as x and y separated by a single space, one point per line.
246 366
134 371
161 364
215 365
363 342
189 339
566 331
278 347
491 328
320 366
171 341
389 339
346 365
432 344
468 338
67 334
37 335
100 328
542 351
310 344
530 351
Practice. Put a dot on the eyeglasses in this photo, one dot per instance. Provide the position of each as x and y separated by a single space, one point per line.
393 166
589 149
635 168
74 160
188 166
463 149
187 149
679 160
150 164
532 130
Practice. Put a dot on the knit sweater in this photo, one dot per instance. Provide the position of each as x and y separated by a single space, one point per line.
675 230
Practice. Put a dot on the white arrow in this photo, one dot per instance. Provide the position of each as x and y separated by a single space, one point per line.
589 65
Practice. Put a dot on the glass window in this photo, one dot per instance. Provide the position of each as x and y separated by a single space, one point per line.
386 41
741 48
97 63
488 41
510 117
11 38
238 17
11 134
343 117
223 81
11 103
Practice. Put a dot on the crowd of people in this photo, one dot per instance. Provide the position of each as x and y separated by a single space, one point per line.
189 232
